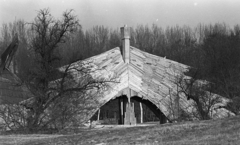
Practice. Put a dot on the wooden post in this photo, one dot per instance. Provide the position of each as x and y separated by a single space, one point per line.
176 107
129 117
122 117
98 114
121 109
141 110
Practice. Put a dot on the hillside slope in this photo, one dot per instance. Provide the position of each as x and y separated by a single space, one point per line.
222 131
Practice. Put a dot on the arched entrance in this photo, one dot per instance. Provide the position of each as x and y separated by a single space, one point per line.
153 108
142 110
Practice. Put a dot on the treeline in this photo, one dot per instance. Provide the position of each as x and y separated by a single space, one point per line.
182 44
213 51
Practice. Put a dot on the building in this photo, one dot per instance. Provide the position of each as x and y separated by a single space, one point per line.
136 76
142 77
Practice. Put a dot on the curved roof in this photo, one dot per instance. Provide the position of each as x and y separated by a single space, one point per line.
147 76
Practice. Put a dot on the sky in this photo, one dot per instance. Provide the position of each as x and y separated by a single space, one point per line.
117 13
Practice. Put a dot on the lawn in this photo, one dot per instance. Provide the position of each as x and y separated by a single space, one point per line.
213 132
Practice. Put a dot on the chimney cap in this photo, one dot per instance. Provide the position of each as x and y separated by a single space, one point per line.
125 32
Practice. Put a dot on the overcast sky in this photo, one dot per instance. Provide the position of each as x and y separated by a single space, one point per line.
116 13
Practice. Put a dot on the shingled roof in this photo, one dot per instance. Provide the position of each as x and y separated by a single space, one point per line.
147 76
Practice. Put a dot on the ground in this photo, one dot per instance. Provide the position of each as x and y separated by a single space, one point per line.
221 131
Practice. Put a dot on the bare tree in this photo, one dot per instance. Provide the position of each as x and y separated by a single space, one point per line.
49 85
221 63
201 94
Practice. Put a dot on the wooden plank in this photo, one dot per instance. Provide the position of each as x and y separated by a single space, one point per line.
137 61
163 63
144 88
135 78
117 59
134 87
135 70
119 63
133 92
154 95
122 85
100 57
150 61
147 70
141 112
167 84
137 52
108 95
137 64
113 54
104 64
160 68
142 93
122 68
151 56
134 56
156 81
123 76
154 87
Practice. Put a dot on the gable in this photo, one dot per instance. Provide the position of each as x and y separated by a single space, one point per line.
148 76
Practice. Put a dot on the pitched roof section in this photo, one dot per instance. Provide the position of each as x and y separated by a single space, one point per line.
148 76
154 78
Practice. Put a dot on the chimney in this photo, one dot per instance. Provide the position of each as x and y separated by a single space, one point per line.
125 35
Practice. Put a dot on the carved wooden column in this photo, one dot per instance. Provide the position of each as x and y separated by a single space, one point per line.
129 117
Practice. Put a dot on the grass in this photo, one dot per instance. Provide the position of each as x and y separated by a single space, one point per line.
213 132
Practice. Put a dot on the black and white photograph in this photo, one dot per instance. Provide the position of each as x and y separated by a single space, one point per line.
119 72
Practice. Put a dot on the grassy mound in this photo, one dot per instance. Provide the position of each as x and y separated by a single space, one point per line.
222 131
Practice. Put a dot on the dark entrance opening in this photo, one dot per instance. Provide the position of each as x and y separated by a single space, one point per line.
144 110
